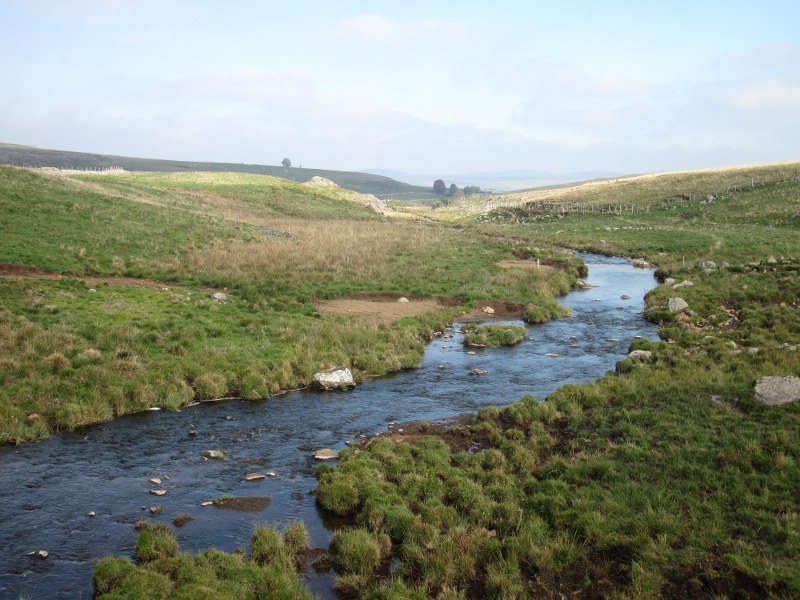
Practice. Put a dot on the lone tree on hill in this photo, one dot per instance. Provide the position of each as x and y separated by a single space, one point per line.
439 187
286 162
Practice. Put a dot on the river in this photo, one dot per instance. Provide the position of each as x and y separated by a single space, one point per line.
48 489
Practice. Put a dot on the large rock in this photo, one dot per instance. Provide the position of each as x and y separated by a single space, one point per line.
774 390
708 265
677 305
334 378
640 355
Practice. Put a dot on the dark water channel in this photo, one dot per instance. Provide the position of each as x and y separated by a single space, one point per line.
48 489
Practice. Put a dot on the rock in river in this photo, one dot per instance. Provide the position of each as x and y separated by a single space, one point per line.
334 378
326 454
254 476
214 454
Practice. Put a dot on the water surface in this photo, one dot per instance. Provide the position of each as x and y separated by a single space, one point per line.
47 489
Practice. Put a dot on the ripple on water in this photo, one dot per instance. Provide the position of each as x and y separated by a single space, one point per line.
47 489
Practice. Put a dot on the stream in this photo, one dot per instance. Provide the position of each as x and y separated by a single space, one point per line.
48 489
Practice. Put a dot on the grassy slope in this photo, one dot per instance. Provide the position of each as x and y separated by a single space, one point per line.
662 480
73 357
365 183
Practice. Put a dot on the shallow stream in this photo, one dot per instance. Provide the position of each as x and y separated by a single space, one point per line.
48 489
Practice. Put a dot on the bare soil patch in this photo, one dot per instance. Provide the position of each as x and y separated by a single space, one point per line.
251 504
17 271
382 308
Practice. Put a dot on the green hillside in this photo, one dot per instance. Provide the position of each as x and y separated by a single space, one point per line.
364 183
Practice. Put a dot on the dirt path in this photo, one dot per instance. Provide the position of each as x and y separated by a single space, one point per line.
16 271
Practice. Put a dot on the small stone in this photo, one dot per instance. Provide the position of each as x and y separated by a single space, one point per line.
488 310
254 476
326 454
214 454
471 353
192 432
92 291
39 554
612 340
574 346
32 418
553 354
440 367
271 474
640 355
155 480
669 281
625 297
637 337
156 510
403 299
477 372
207 503
219 296
91 513
158 492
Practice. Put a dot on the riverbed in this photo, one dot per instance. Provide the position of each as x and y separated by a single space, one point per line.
49 489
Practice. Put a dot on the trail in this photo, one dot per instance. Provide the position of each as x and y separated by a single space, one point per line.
17 271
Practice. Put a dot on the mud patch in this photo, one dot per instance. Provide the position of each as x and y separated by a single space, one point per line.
456 432
251 504
383 308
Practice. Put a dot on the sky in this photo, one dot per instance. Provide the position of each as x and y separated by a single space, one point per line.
425 87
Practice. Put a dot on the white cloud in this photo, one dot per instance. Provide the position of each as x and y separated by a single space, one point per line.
378 28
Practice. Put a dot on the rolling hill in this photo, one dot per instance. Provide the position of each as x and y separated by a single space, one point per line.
364 183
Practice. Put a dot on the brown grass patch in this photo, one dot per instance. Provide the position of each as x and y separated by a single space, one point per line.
523 264
380 308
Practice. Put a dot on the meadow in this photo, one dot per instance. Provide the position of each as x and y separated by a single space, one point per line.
77 352
662 479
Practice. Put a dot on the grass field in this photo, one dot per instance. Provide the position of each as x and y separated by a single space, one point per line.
72 357
662 479
364 183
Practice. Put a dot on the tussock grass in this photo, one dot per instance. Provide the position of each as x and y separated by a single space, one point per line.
663 479
161 571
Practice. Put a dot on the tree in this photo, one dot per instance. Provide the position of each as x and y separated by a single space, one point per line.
286 162
439 187
453 189
472 189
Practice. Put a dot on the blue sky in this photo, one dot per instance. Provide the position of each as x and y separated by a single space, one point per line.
432 87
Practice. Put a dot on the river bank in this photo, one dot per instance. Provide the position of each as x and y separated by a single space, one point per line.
106 469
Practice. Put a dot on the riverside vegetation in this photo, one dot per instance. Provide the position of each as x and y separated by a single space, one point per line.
664 478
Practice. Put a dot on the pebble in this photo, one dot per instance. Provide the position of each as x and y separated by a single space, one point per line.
271 474
207 503
91 513
214 454
156 510
39 553
155 480
254 476
158 492
551 354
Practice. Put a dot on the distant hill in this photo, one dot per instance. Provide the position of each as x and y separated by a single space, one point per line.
364 183
497 180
